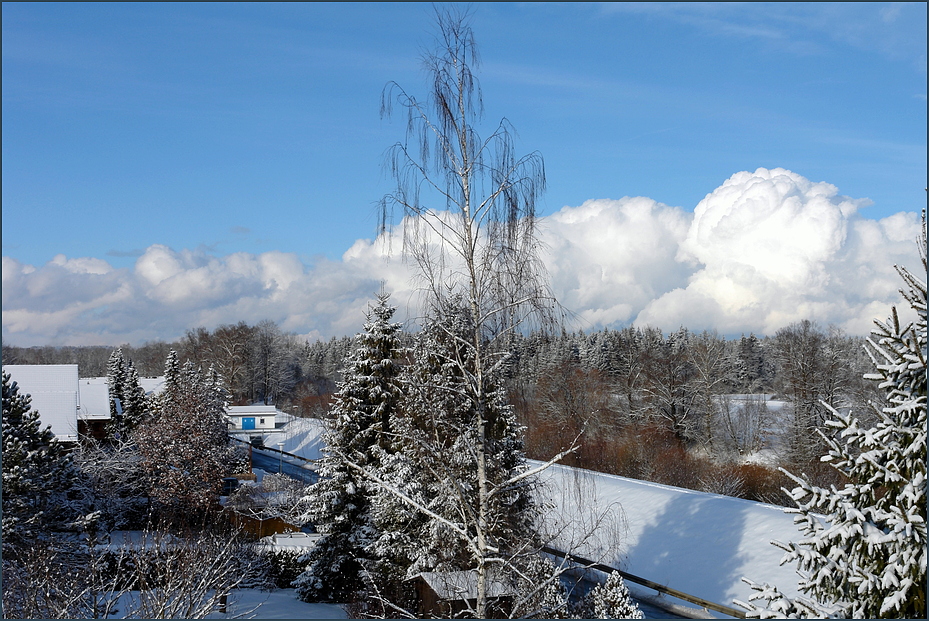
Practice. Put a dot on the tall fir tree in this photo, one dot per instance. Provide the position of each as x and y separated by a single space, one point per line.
116 381
869 558
37 472
125 388
362 415
136 406
425 507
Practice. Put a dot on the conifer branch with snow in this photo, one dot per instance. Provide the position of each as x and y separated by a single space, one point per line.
863 554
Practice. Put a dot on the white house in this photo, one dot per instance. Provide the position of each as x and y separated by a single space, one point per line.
252 418
55 394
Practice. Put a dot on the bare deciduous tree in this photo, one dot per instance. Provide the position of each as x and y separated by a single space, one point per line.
470 212
153 576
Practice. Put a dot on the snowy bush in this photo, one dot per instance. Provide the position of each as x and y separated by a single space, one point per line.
610 600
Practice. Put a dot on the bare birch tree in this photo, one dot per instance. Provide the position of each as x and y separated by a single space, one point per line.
469 207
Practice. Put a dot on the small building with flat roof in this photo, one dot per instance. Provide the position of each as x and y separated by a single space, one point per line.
252 419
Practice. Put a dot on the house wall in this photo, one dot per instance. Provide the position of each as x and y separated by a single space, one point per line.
259 528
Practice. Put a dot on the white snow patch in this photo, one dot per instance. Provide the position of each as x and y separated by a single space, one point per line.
280 604
301 436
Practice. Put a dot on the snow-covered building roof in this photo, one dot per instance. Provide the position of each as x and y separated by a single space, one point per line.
95 395
152 385
95 399
253 410
55 394
289 542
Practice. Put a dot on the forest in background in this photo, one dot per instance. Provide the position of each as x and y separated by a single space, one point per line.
670 408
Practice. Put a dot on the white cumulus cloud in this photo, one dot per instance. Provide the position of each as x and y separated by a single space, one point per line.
764 249
771 247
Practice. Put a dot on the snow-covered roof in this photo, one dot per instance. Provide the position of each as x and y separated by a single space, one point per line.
251 410
135 540
95 395
695 542
289 542
55 394
152 385
95 399
460 585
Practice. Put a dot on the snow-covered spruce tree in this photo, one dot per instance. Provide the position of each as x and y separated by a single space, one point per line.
610 600
37 472
869 558
362 417
184 444
539 591
124 385
435 463
115 381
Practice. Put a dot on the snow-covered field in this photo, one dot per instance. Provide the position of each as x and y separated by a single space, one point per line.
301 436
698 543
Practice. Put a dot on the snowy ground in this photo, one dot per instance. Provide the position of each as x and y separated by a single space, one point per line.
698 543
301 436
252 604
281 604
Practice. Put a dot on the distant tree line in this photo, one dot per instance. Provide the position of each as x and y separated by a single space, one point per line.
259 364
680 380
648 402
678 408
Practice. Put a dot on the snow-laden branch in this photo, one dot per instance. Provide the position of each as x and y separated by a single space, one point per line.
534 471
418 506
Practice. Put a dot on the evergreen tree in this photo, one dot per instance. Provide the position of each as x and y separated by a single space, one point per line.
436 439
361 433
610 600
126 389
425 506
750 365
539 591
136 402
116 380
37 472
869 559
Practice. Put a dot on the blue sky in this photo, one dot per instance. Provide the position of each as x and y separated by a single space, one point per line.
217 129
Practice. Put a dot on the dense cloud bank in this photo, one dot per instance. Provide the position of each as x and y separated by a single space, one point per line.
761 251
